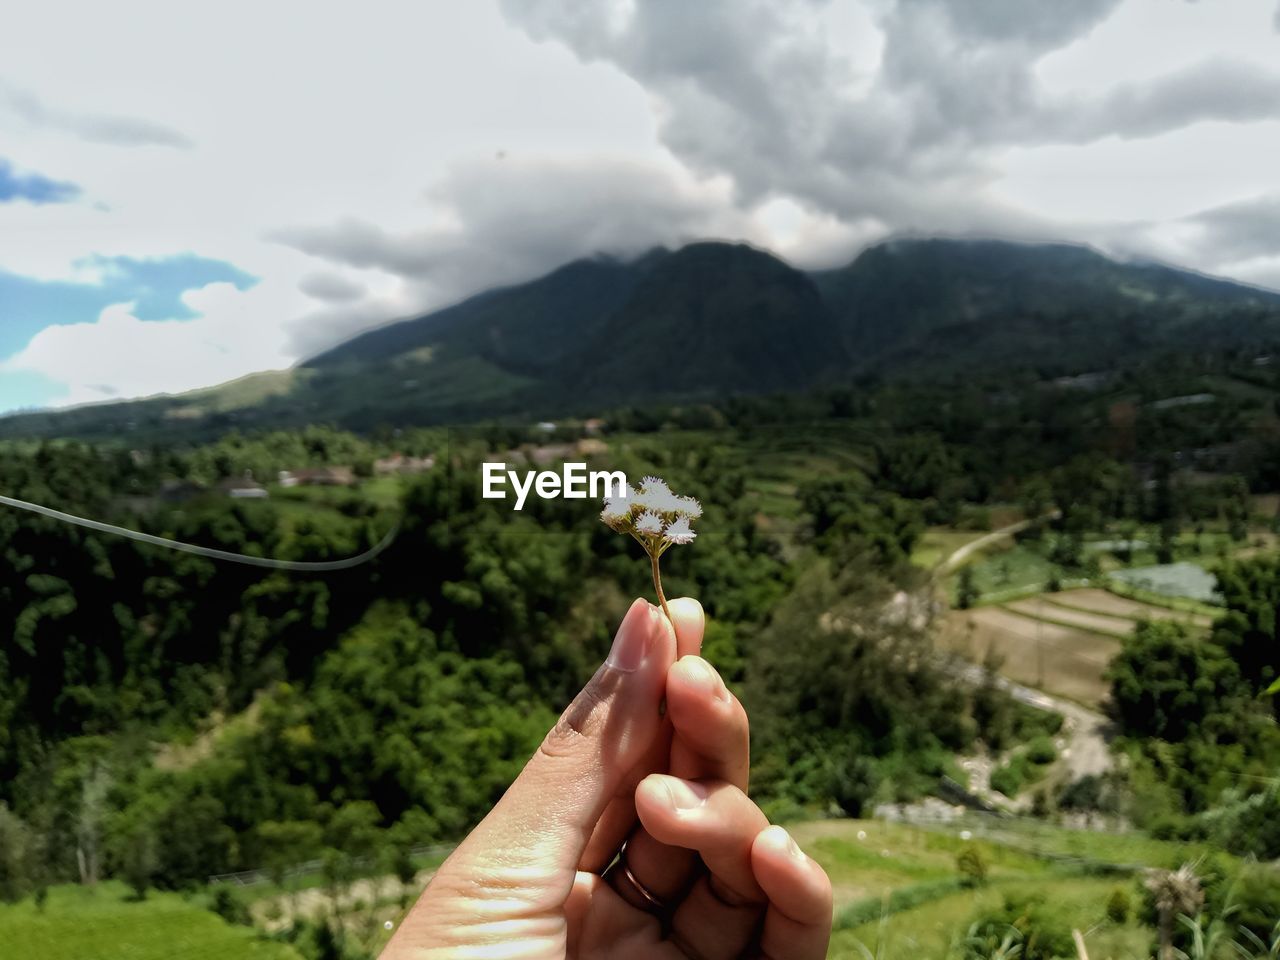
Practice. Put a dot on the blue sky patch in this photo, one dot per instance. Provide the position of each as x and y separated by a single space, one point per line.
26 388
155 286
33 187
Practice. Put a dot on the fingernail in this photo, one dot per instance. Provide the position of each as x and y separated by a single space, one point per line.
703 674
793 848
631 643
659 619
685 794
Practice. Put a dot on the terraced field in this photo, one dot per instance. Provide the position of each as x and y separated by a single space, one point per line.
1058 642
1038 608
1104 602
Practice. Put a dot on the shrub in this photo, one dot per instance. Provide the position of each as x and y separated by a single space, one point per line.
972 866
229 907
1119 906
1254 894
854 779
1082 794
1041 751
1246 824
1011 777
1045 935
1040 804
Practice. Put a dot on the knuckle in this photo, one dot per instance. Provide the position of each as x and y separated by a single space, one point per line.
580 721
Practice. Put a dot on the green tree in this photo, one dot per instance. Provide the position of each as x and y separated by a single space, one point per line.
1169 685
19 857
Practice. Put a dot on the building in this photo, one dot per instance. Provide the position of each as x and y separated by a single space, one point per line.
318 477
244 488
400 464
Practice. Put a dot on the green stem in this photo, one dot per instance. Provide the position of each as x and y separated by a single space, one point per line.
657 585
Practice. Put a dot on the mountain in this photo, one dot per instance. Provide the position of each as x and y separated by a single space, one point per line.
708 319
931 305
714 319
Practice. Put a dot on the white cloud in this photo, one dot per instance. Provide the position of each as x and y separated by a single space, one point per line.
503 221
118 355
99 128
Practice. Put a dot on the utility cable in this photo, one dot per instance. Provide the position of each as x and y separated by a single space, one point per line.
296 566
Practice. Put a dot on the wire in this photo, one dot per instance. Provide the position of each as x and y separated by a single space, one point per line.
297 566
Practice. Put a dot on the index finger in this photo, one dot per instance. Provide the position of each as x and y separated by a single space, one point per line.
619 817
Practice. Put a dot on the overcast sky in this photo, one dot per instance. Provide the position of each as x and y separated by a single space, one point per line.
192 194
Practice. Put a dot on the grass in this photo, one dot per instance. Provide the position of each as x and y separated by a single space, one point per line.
1039 839
103 923
930 931
901 881
1012 569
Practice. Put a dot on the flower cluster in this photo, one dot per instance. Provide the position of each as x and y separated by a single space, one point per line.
657 518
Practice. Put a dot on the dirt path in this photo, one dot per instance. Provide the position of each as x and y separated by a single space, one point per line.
1086 750
959 556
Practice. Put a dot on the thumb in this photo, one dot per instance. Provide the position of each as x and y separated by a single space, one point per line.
539 829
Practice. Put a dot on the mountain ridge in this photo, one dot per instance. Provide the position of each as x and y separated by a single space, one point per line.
716 318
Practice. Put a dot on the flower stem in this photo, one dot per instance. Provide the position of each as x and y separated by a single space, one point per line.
657 585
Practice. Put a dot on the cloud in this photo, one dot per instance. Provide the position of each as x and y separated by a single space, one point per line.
504 222
119 354
331 287
157 288
906 130
1240 239
1240 231
97 128
1215 89
33 187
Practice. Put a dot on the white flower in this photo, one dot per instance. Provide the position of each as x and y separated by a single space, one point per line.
679 532
649 523
659 500
689 507
654 485
617 508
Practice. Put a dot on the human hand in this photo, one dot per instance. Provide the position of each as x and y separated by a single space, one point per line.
701 873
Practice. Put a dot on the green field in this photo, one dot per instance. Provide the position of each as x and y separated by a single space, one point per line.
893 863
930 932
104 923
